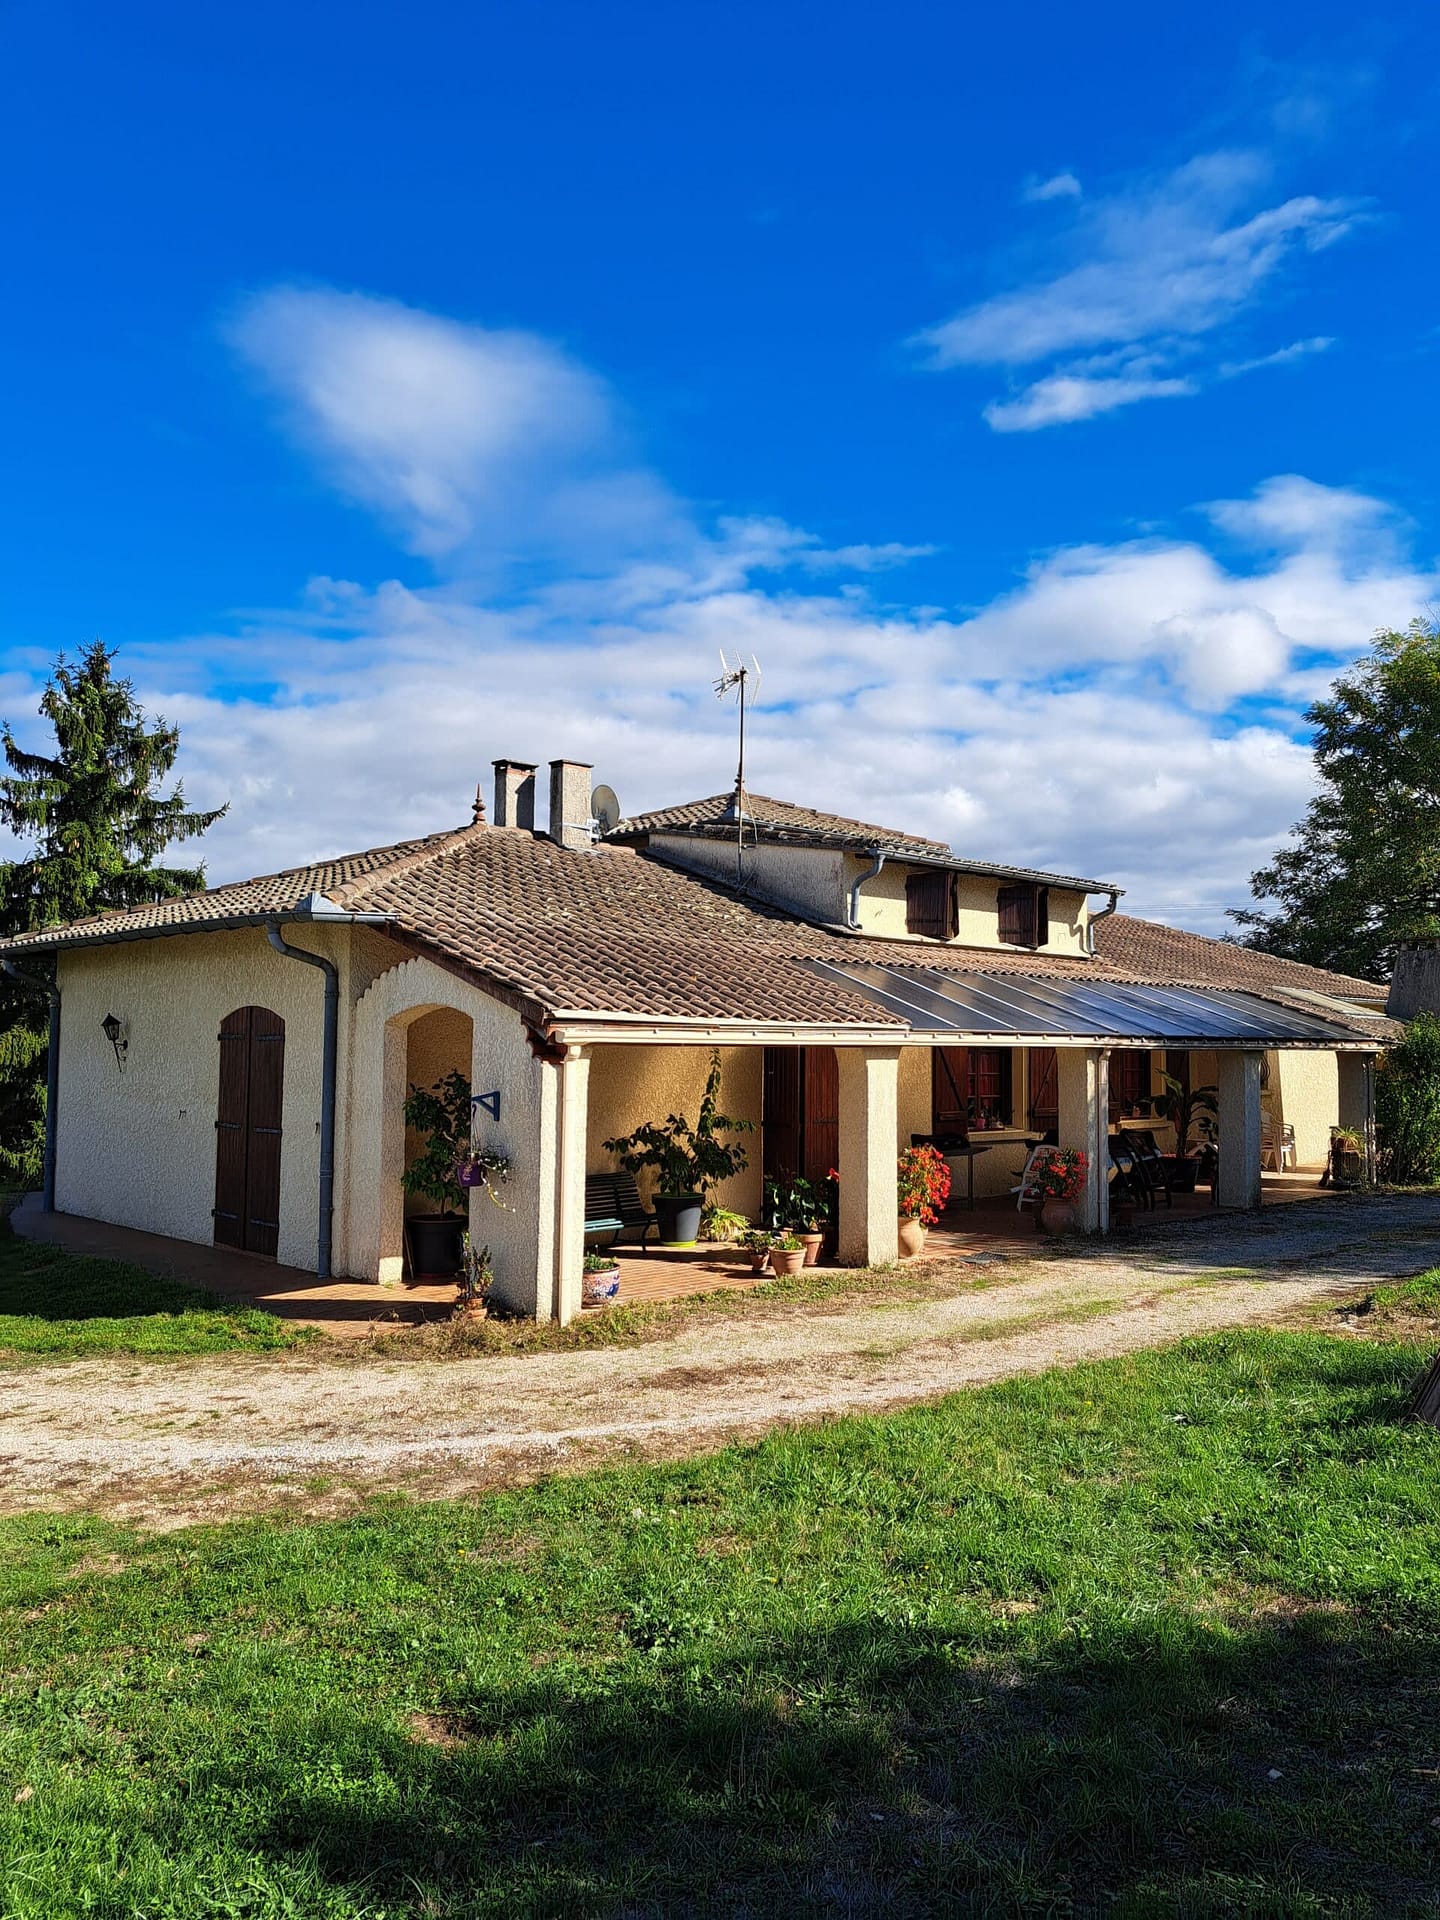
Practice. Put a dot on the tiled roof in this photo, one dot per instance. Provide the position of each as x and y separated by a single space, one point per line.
612 931
782 822
776 820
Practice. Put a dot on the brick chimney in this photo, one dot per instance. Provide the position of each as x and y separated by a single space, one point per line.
570 803
515 794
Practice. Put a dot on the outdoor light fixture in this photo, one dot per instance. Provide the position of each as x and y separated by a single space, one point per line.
117 1033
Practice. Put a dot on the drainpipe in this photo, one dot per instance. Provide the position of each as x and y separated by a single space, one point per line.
1103 914
52 1070
327 1088
852 914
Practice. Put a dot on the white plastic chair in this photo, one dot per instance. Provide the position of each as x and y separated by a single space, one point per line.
1026 1192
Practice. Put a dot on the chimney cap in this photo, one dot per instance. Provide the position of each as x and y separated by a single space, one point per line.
528 765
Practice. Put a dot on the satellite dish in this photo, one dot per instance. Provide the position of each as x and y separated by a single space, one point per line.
605 808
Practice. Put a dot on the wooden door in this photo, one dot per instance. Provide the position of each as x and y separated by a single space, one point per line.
247 1131
820 1148
800 1118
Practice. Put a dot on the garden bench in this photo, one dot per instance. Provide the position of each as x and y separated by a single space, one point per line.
613 1207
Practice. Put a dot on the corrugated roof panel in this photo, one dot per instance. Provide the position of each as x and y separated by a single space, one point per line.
1099 1010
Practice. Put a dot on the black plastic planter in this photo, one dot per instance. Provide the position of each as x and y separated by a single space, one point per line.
435 1250
677 1217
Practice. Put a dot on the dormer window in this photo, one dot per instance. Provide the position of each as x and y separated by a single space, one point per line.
1025 914
930 905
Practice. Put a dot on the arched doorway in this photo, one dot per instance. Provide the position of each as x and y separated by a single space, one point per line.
247 1131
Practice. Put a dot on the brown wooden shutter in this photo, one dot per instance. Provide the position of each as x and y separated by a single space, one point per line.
822 1114
248 1107
780 1142
949 1089
1024 914
1042 916
1044 1088
929 905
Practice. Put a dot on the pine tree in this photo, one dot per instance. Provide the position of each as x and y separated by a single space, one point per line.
98 824
1364 872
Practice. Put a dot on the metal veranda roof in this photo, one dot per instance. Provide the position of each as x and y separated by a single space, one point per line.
1015 1009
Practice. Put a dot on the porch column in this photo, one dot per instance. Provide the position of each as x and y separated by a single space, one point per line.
1237 1084
869 1150
1082 1085
572 1107
1357 1102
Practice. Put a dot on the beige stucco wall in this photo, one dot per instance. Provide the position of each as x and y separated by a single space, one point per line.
438 1043
812 880
882 909
1305 1094
630 1085
138 1148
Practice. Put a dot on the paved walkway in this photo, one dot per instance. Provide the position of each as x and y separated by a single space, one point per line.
165 1443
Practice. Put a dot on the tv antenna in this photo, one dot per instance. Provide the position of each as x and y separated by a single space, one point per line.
744 681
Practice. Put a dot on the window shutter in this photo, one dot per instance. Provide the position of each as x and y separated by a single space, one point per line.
927 905
1024 911
1042 916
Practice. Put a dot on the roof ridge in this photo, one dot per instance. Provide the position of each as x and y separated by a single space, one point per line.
1256 953
432 847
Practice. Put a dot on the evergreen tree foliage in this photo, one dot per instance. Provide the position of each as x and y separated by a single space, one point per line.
1364 872
96 821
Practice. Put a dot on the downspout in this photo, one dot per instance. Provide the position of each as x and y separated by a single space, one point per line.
1103 914
52 1070
327 1088
852 914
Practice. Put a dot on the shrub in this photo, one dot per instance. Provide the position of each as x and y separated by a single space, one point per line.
1407 1106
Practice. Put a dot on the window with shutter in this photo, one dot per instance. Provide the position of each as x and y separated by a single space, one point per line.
928 908
966 1081
1024 914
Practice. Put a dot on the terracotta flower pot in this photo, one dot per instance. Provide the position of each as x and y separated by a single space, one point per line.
1058 1216
787 1260
911 1236
760 1260
812 1243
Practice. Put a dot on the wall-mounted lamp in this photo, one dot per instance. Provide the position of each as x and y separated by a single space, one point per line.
118 1034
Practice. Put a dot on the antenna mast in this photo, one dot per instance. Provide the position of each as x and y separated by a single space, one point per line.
740 678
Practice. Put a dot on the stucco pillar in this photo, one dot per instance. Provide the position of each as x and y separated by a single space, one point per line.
1357 1101
1083 1096
869 1135
1237 1085
384 1161
572 1105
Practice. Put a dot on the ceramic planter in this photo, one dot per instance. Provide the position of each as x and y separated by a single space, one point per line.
787 1260
911 1236
1058 1216
760 1260
598 1289
677 1216
812 1243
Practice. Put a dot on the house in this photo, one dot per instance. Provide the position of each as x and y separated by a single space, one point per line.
232 1066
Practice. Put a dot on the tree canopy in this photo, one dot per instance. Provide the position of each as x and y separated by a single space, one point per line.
1364 872
96 822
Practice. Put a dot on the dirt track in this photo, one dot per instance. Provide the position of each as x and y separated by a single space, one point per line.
165 1443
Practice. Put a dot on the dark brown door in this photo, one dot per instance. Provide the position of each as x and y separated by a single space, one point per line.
247 1131
800 1119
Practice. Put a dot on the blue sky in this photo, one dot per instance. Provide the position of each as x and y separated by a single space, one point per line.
1047 399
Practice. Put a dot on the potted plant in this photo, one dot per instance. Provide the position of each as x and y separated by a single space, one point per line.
1186 1108
441 1116
600 1281
1060 1180
722 1225
1347 1157
688 1160
923 1187
476 1278
787 1252
755 1241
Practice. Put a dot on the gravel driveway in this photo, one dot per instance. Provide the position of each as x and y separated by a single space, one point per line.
167 1443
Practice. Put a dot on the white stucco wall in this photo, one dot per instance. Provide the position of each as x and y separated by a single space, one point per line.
810 879
137 1147
630 1085
1304 1093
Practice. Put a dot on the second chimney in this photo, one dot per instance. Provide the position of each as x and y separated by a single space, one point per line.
515 794
570 803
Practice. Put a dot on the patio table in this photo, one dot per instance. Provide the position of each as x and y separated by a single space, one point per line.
979 1143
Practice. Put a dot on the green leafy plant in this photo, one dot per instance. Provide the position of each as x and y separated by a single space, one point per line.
686 1158
786 1242
1188 1108
1407 1106
1060 1175
755 1240
722 1223
476 1273
600 1263
441 1115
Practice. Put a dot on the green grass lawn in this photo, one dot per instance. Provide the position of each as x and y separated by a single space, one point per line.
1155 1636
60 1303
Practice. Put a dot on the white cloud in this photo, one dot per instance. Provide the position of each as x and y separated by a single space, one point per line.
451 430
1064 397
1281 357
1060 186
1148 272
